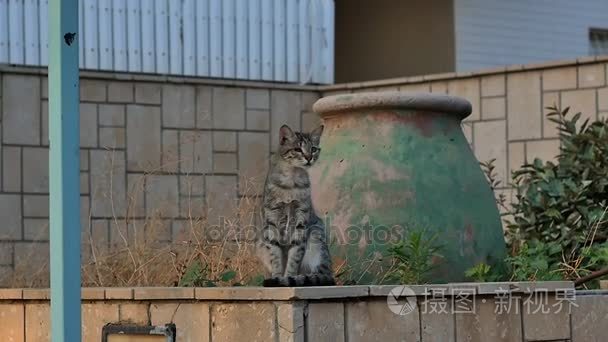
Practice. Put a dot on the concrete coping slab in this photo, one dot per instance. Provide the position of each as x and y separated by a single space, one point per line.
430 102
291 293
126 76
158 78
600 292
281 293
477 288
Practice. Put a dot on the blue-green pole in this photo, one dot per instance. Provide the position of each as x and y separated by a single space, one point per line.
64 166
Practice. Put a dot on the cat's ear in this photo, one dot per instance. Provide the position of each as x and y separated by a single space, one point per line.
285 134
316 134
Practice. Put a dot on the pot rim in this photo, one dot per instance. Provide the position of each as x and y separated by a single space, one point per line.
430 102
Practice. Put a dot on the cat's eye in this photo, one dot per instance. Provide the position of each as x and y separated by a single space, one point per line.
314 150
297 149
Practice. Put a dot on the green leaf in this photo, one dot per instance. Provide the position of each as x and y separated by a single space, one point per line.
228 276
554 213
257 280
209 283
414 257
193 275
540 264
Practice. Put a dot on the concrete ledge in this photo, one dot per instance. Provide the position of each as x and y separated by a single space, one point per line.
461 75
525 287
10 294
147 293
124 76
419 290
479 288
93 293
287 293
119 293
38 294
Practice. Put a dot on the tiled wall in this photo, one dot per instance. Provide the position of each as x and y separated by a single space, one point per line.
150 148
175 149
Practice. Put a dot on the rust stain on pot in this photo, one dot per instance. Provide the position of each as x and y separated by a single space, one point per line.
436 260
467 240
385 172
362 243
371 200
340 223
327 198
422 121
468 233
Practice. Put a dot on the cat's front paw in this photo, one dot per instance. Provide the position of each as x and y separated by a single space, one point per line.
272 282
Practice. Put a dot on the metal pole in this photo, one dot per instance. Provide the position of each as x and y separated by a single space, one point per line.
64 166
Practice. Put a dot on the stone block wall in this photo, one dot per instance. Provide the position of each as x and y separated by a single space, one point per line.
160 152
455 312
509 119
152 148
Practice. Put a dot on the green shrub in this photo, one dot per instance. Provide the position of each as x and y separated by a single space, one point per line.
557 229
565 202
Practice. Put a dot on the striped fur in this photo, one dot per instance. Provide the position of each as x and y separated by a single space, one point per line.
292 243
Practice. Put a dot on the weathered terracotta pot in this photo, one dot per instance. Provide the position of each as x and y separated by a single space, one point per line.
392 162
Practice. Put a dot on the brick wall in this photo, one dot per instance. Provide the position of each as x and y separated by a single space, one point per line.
507 312
151 147
509 121
173 150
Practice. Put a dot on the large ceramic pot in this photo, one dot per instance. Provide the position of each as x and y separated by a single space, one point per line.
392 163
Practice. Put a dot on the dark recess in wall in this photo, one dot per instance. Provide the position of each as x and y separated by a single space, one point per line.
393 38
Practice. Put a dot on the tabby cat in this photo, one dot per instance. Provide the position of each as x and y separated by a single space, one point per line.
292 242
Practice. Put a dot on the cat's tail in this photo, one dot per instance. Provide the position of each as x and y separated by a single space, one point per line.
313 279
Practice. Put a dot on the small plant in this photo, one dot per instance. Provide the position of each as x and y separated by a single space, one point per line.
197 275
593 257
414 258
488 169
536 261
256 281
481 272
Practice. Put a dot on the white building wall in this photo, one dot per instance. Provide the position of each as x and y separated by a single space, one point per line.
270 40
492 33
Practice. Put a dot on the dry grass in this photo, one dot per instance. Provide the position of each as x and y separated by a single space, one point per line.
149 251
143 256
147 261
572 265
